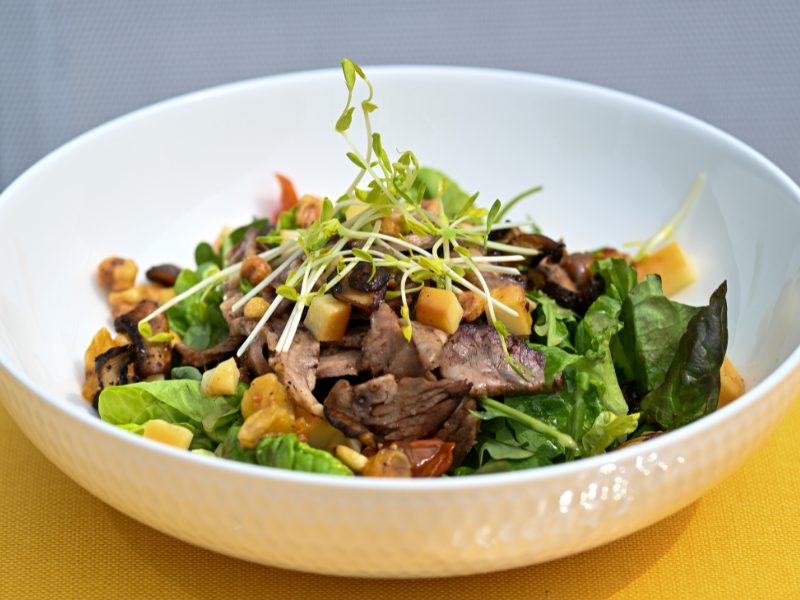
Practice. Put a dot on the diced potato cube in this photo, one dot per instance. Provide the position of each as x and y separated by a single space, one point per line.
317 431
352 211
732 384
167 433
674 266
513 296
271 421
472 304
327 318
439 309
263 392
221 381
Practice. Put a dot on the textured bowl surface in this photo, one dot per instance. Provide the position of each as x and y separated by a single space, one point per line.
615 168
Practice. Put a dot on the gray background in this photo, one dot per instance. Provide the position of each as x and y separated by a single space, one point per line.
66 67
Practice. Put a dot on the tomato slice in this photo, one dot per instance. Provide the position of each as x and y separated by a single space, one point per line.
429 458
288 197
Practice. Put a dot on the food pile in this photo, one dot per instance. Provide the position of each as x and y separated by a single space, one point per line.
401 331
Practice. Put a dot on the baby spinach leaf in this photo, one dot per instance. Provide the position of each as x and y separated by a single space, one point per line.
498 450
653 326
186 373
556 360
198 320
691 387
237 234
204 253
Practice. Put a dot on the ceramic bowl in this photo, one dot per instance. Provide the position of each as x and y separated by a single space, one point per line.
615 168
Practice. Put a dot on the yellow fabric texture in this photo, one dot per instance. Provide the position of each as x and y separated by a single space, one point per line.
741 540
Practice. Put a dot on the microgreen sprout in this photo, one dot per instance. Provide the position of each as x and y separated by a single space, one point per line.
330 247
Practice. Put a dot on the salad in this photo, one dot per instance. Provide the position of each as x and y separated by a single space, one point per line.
403 331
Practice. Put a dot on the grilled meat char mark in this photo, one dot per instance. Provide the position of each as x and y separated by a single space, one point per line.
474 354
388 409
386 350
151 358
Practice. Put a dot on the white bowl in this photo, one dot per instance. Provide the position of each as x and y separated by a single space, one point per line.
615 168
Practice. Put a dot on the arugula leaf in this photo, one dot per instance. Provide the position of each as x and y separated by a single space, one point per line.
691 387
653 326
556 360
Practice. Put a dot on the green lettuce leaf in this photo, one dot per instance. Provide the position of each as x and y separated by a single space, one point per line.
231 449
620 278
288 452
691 387
198 319
554 324
175 401
653 326
606 428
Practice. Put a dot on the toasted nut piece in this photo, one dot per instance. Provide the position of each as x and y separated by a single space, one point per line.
309 209
255 269
122 339
176 339
391 225
101 342
388 463
352 211
121 310
166 275
264 391
272 421
133 295
472 304
222 380
116 273
255 308
154 291
355 460
167 433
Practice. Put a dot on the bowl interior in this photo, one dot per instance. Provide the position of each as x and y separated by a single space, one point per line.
153 184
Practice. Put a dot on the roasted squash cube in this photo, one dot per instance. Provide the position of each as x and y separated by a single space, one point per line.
439 309
263 392
672 264
732 384
221 381
513 296
327 318
167 433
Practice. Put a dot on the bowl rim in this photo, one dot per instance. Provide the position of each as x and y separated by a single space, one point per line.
676 437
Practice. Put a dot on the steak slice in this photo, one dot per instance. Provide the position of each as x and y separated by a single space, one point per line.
474 354
334 362
461 429
297 370
387 351
192 357
406 409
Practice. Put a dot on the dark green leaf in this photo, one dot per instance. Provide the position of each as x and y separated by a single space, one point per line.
186 373
691 387
204 253
453 199
653 326
245 286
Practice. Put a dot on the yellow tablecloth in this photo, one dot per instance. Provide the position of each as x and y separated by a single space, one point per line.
742 540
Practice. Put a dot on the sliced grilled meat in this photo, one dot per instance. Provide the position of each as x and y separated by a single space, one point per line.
192 357
406 409
474 354
353 338
461 428
297 370
387 351
335 362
